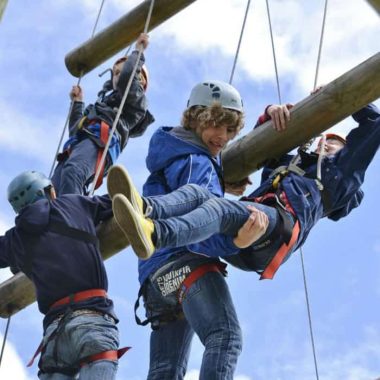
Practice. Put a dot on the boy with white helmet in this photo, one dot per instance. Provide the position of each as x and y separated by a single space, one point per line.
54 243
178 156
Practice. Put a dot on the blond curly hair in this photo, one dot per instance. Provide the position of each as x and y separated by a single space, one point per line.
215 115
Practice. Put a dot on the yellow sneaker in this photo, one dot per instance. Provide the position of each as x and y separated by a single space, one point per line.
136 227
119 182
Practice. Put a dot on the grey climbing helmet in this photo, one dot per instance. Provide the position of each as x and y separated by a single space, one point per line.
206 93
27 188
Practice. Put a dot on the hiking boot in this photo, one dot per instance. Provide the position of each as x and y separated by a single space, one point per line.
119 181
136 227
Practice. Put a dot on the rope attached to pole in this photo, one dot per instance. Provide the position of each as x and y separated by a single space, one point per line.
101 162
4 339
239 43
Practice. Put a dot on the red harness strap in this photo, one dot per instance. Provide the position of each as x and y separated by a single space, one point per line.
198 273
77 297
112 355
104 131
80 296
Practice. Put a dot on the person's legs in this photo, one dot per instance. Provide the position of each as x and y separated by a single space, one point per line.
209 309
78 168
217 215
169 350
99 370
55 376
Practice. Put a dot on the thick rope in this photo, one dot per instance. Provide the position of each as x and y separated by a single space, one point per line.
239 43
101 163
319 178
274 54
72 102
4 339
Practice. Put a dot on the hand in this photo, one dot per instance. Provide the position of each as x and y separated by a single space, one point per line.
280 115
76 94
142 42
237 188
253 229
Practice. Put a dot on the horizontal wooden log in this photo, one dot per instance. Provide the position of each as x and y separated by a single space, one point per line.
310 117
120 34
375 5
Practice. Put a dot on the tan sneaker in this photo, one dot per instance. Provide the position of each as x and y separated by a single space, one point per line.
119 182
136 227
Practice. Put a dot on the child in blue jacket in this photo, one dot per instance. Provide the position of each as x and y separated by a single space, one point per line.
280 213
54 243
89 129
178 156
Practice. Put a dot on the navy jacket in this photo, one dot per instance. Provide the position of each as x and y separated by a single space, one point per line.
177 157
61 265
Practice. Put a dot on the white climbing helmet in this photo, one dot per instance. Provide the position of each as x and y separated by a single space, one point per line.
206 93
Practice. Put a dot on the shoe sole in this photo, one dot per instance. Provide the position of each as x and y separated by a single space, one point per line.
125 216
119 182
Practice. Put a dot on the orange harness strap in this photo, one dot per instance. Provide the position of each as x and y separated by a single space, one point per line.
104 131
112 355
276 261
198 273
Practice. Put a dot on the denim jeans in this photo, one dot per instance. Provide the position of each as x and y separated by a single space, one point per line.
83 335
74 173
209 312
192 214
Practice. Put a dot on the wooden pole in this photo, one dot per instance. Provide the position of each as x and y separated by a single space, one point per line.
375 5
120 34
311 116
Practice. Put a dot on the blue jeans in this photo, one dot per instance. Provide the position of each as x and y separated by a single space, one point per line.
192 214
82 336
73 174
209 312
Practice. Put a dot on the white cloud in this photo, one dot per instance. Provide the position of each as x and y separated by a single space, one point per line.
12 366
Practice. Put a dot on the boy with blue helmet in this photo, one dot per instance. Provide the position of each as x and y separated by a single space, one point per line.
54 243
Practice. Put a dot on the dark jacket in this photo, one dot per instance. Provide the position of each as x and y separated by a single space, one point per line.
60 265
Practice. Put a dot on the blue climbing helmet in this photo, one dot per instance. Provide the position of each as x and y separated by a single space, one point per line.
206 93
27 188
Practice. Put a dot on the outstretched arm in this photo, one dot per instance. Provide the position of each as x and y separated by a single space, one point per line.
77 110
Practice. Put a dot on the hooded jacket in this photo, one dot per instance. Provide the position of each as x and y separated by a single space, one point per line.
60 265
175 158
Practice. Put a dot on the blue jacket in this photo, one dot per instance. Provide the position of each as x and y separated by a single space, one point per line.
134 118
61 265
177 157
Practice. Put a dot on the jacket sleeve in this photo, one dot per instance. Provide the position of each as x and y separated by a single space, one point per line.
4 253
194 168
362 143
354 202
77 112
101 206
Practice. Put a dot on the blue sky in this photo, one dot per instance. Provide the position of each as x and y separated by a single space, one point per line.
342 259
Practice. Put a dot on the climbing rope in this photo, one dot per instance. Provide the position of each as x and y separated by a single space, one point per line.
72 101
274 53
319 165
101 162
239 43
4 339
